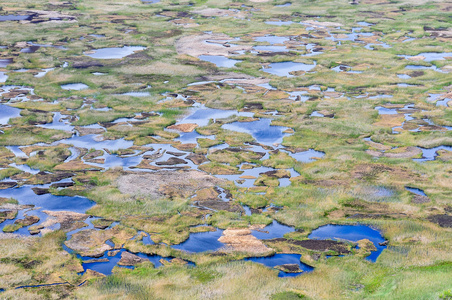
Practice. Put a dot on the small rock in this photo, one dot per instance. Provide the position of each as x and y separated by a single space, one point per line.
419 199
289 268
171 161
197 159
7 184
40 191
129 259
29 220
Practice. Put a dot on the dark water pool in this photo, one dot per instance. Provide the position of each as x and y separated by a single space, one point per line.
261 130
281 259
272 231
284 68
115 53
201 241
25 195
219 60
352 233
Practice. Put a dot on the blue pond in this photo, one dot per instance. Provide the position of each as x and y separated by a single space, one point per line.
114 53
8 112
430 154
415 191
89 141
272 48
25 195
272 39
281 259
20 215
219 61
272 231
261 130
201 241
352 233
203 115
306 156
14 18
208 241
285 68
107 267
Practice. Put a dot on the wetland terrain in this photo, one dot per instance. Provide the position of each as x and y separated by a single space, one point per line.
205 149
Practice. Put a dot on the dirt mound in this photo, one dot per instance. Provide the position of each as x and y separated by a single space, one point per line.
289 268
187 127
68 220
90 242
441 220
407 152
218 12
318 245
322 24
236 78
241 240
129 259
164 183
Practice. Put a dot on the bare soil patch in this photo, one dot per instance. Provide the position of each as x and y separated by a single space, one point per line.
159 184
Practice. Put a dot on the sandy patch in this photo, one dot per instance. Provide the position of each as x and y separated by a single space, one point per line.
322 24
164 183
188 127
218 12
208 44
241 240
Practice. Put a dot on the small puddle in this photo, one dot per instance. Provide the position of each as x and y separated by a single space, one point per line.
272 48
91 141
8 112
272 39
316 114
5 62
15 18
430 56
202 115
418 67
403 76
43 72
307 156
3 77
74 86
260 130
25 196
219 60
430 154
114 53
284 5
279 23
31 49
284 69
272 231
135 94
299 96
364 24
106 267
386 111
58 123
415 191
